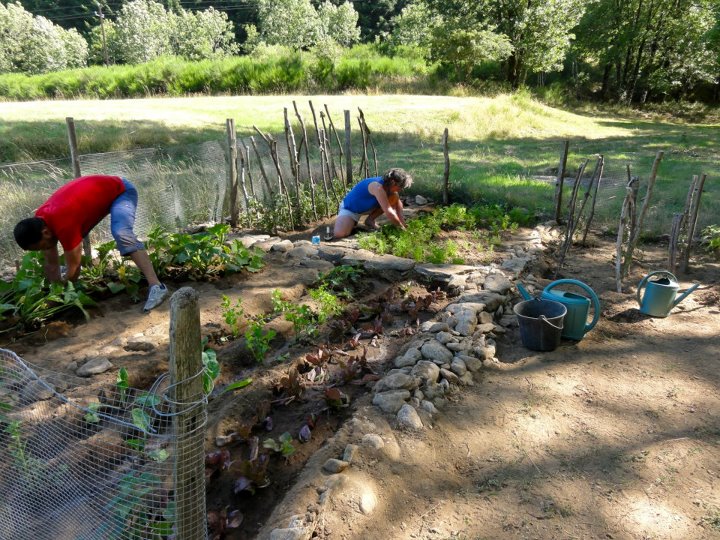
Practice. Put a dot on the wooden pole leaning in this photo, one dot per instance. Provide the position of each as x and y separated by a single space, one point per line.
75 160
348 150
560 180
185 351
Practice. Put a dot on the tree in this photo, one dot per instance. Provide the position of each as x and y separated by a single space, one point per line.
339 23
35 45
414 26
460 50
142 32
203 34
292 23
539 31
650 48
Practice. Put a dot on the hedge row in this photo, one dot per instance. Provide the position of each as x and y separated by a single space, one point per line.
275 72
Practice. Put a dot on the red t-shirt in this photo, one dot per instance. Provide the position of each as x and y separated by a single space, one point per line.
74 209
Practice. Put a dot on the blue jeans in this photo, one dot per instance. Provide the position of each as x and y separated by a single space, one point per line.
122 220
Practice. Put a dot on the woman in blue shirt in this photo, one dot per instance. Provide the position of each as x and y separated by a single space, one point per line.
373 196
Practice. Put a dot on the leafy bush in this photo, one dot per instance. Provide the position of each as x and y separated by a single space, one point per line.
711 239
419 242
29 299
196 256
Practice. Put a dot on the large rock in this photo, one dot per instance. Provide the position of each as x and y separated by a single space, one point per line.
387 265
408 418
397 381
94 366
410 358
428 372
497 283
390 402
492 300
466 321
435 351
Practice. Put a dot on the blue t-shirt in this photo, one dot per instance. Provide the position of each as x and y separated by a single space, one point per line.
360 200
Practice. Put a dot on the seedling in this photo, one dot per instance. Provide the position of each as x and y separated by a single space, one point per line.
211 367
232 314
283 445
258 339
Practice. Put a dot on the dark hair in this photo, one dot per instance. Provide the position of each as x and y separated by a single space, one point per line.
28 232
398 177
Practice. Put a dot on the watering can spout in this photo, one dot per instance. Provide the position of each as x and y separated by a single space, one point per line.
523 291
685 294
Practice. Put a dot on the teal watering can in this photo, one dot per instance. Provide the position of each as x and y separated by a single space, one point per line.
575 324
660 294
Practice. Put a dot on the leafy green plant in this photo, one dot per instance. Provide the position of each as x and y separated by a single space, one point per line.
305 320
345 280
283 445
196 256
329 304
122 383
211 367
29 299
258 338
130 514
232 314
710 238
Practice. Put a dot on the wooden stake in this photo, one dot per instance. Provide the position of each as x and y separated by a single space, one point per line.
283 190
446 172
75 160
364 170
627 209
262 167
232 170
588 190
185 352
369 140
635 232
321 149
559 182
348 151
241 169
692 224
249 172
594 199
307 161
340 173
571 223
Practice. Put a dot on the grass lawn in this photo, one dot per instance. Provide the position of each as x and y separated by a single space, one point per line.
495 142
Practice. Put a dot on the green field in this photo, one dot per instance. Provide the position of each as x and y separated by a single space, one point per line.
496 143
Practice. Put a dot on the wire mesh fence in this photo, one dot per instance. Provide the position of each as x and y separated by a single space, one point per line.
75 466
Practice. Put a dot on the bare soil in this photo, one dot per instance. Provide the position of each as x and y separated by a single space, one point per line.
615 436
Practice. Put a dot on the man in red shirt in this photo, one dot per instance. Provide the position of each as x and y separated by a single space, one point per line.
70 214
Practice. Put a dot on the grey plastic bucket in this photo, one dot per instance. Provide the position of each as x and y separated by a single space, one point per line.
541 323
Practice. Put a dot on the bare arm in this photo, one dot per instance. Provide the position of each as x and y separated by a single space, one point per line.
72 260
52 264
376 189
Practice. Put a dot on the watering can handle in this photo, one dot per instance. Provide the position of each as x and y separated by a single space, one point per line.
644 281
593 297
544 319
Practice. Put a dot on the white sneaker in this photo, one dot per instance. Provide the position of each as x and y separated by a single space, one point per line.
155 297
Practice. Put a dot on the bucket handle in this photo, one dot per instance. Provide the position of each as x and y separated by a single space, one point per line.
544 319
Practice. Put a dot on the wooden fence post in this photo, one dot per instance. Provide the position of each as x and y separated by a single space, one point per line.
446 174
560 181
185 351
232 170
348 153
691 225
75 159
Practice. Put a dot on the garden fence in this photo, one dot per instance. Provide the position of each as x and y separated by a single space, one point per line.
75 466
188 184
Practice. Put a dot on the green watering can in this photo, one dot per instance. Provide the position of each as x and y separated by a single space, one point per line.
575 323
660 294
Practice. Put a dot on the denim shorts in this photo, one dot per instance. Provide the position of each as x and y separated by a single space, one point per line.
122 220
